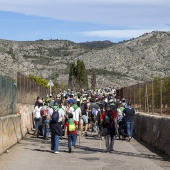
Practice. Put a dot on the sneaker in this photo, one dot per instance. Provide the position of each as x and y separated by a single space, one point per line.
56 152
72 149
111 150
130 139
85 134
106 151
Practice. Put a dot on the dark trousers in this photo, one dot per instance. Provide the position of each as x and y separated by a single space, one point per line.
109 140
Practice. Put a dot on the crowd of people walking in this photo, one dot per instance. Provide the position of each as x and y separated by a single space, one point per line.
65 114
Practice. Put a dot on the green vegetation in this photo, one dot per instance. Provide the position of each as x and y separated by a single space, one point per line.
39 80
78 75
44 83
93 79
59 52
97 44
106 73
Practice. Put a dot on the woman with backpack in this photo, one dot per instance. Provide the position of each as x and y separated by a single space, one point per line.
70 130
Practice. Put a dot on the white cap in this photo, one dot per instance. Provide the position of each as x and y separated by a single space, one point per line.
111 100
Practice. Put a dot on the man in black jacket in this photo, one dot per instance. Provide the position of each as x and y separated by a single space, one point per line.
129 113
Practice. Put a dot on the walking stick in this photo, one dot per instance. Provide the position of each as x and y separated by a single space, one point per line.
45 142
80 132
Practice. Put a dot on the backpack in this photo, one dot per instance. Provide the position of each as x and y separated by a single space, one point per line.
108 118
44 112
94 111
83 109
71 125
55 116
98 116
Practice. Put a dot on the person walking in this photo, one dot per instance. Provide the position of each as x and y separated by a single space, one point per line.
70 130
57 120
37 117
45 121
109 122
84 112
129 113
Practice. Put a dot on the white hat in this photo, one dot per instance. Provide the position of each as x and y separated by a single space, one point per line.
84 98
111 100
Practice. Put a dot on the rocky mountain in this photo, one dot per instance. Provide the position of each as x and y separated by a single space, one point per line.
117 64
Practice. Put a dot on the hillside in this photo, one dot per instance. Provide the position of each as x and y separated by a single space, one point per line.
119 64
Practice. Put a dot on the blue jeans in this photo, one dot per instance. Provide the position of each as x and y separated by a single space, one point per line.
45 127
37 122
54 142
129 126
72 140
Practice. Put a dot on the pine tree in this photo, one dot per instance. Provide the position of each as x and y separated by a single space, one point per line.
78 75
72 75
93 79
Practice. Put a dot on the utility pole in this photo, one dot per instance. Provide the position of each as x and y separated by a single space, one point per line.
50 83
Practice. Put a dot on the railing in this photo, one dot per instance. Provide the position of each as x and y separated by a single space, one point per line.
151 97
28 90
7 96
21 90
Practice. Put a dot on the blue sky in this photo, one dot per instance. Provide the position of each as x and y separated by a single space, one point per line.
82 20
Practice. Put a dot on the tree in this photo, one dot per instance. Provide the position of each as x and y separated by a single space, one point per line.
78 75
72 75
93 79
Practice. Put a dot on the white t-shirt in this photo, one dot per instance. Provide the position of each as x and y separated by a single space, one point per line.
36 111
73 112
61 113
64 108
77 114
50 111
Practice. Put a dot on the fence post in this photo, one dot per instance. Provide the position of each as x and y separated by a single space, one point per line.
161 94
147 103
152 98
145 97
139 99
134 99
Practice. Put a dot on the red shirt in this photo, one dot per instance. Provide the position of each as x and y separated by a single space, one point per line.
112 113
74 132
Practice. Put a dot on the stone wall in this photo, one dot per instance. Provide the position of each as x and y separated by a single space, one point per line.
154 130
14 127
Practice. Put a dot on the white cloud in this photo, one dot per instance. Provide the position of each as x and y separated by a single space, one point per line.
126 13
148 15
119 33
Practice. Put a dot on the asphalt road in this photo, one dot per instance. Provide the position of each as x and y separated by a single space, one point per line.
33 153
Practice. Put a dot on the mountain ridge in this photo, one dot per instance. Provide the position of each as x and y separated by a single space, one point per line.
118 64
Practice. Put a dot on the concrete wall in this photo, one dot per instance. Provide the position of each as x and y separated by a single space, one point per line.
14 127
155 130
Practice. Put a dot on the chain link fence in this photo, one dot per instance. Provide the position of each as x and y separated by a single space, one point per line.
24 91
28 90
151 97
8 91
